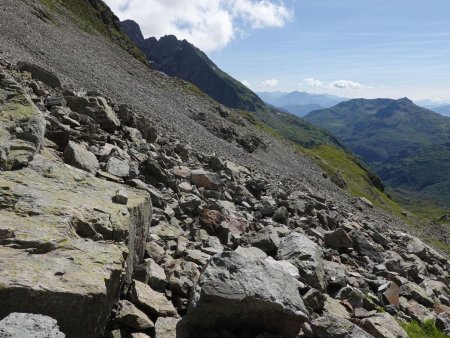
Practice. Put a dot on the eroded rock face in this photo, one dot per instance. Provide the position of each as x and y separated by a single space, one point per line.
22 125
60 251
235 292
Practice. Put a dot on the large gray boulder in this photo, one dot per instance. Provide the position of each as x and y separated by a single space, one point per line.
39 73
22 125
27 325
306 255
62 244
235 292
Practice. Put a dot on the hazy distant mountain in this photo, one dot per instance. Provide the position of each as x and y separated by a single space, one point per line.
280 99
409 146
301 110
443 110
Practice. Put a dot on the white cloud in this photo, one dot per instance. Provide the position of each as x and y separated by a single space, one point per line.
345 84
313 83
208 24
246 83
269 83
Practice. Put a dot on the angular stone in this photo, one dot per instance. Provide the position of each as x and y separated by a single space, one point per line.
251 252
166 327
390 293
22 126
26 325
205 179
78 156
306 256
334 327
286 266
130 316
121 197
267 206
118 167
383 325
235 292
39 73
338 239
97 108
190 202
54 263
151 302
413 291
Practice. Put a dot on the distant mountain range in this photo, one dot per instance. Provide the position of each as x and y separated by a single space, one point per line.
300 103
408 146
443 110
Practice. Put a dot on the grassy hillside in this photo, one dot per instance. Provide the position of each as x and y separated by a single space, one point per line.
408 146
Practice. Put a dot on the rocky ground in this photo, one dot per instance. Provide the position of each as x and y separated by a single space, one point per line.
131 206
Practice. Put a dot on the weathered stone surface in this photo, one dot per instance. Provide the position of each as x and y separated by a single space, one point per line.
166 327
51 259
333 327
413 291
26 325
118 167
235 292
39 73
130 316
97 108
22 126
383 325
151 302
390 293
338 239
205 179
306 256
78 156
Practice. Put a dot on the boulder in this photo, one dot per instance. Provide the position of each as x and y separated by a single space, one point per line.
383 325
131 317
267 206
118 167
39 73
306 255
153 303
205 179
338 239
51 257
235 292
413 291
97 108
22 126
166 327
27 325
334 327
79 157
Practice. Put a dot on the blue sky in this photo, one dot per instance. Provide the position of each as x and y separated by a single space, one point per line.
393 48
351 48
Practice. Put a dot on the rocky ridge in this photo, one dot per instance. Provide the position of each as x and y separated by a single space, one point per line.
147 237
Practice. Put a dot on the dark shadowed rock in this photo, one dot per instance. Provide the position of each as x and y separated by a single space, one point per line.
235 292
338 239
205 179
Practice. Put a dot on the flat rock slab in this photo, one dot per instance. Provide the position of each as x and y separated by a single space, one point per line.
236 292
62 250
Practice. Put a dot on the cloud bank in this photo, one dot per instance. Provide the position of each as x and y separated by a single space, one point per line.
208 24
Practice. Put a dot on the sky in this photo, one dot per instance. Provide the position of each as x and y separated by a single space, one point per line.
350 48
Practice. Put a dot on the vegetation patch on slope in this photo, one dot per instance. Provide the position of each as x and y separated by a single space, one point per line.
426 330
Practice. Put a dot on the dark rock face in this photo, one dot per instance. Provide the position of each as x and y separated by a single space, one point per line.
183 60
235 292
